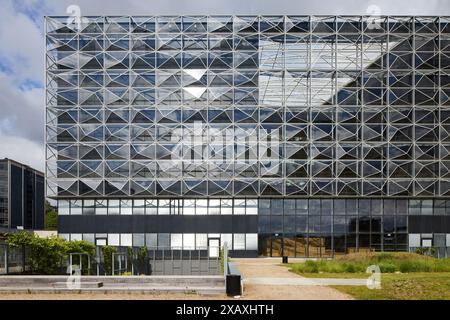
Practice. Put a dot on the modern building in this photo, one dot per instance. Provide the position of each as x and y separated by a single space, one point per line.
21 197
282 135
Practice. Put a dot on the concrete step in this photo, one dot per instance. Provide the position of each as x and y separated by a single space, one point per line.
8 281
130 290
114 284
82 284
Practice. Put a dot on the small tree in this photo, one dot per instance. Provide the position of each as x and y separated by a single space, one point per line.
47 255
130 258
107 258
142 258
51 217
222 259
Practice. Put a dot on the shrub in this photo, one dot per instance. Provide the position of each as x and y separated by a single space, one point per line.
349 267
416 266
387 267
383 256
311 266
332 267
142 259
426 251
222 260
130 258
442 265
50 218
387 261
107 252
48 255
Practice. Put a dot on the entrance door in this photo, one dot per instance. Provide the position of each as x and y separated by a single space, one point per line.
213 247
277 247
100 241
427 243
99 266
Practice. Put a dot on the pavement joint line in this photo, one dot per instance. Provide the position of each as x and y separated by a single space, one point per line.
305 281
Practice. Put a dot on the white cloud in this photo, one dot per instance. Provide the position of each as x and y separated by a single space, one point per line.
23 151
22 45
21 112
300 7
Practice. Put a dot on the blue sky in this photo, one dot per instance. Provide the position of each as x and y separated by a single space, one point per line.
22 105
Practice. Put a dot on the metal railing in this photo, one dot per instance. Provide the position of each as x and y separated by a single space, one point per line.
183 261
13 260
158 261
162 261
76 261
120 263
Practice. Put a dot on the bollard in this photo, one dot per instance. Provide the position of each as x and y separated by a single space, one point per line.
285 259
233 285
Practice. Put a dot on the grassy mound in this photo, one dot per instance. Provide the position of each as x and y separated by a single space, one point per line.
388 262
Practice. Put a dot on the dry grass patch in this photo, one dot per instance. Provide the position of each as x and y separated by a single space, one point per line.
410 286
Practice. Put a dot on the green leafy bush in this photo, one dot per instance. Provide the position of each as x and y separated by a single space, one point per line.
142 259
387 261
387 267
383 256
442 265
349 267
416 266
107 252
48 255
50 217
222 260
426 251
130 258
333 267
311 266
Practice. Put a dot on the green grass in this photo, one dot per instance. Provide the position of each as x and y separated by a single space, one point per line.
388 262
405 286
405 276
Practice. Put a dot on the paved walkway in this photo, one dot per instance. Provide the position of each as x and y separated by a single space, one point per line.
265 278
301 281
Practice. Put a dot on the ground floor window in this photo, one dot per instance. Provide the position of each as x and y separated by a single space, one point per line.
326 245
169 241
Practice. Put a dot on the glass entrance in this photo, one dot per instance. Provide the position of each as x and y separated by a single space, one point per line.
277 247
213 247
100 242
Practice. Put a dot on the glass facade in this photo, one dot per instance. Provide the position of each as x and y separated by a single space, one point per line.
169 241
4 194
22 196
323 227
199 207
291 111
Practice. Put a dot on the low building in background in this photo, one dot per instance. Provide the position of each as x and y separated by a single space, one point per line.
21 197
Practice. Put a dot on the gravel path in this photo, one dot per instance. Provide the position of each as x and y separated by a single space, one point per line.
270 268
